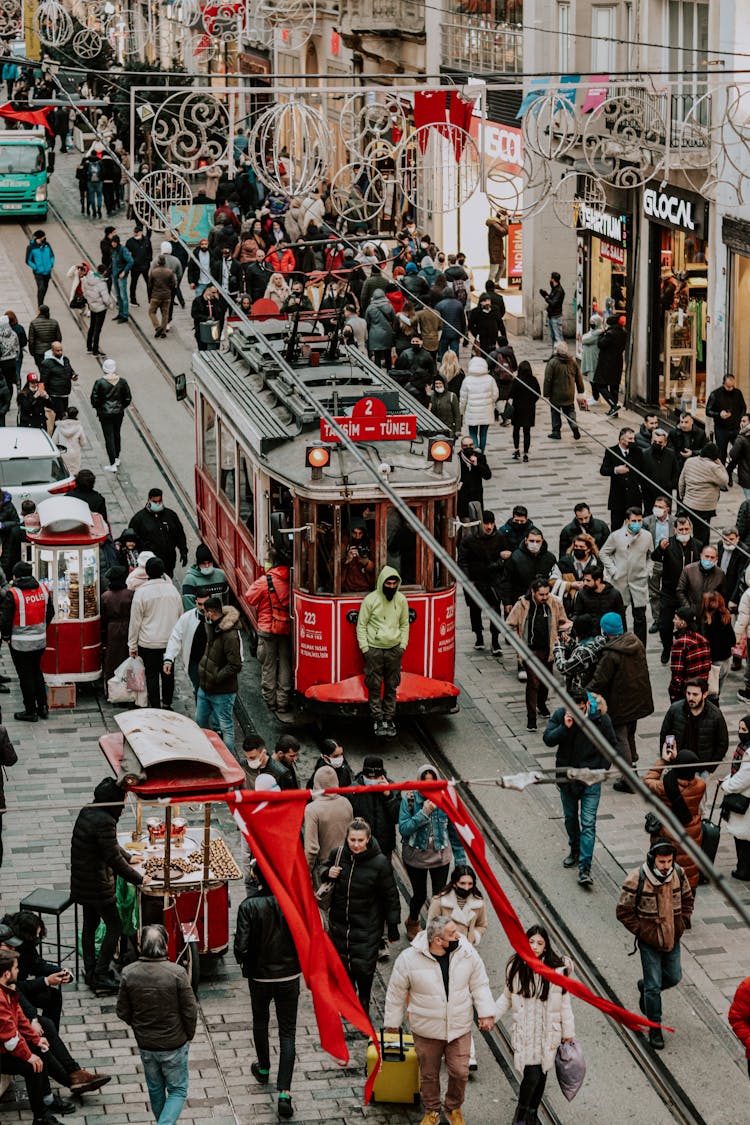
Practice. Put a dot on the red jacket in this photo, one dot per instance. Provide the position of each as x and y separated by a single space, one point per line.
15 1030
283 262
691 656
271 617
739 1014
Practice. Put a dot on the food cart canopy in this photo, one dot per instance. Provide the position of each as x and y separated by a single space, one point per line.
165 738
64 513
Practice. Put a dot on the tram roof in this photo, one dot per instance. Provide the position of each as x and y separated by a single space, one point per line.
260 394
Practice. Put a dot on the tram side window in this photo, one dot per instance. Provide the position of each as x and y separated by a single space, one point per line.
246 493
228 466
325 543
402 547
441 579
305 549
358 548
209 440
282 516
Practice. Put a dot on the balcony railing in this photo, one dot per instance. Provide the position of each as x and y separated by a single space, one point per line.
383 17
479 45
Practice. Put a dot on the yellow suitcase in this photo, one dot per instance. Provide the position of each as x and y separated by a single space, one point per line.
398 1078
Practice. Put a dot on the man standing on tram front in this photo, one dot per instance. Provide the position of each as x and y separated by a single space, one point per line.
382 635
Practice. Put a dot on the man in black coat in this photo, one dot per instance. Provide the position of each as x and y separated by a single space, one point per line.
264 947
659 463
159 530
139 245
620 463
597 597
95 859
697 725
583 523
688 439
484 325
380 810
210 306
480 557
646 431
474 471
84 490
225 271
531 560
681 550
415 361
256 277
608 374
726 405
58 377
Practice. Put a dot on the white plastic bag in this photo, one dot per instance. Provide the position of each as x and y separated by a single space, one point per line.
117 691
128 685
133 673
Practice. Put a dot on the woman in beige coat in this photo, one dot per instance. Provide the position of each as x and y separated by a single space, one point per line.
542 1020
699 488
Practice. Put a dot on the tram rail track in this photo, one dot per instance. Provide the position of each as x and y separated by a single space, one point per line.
671 1092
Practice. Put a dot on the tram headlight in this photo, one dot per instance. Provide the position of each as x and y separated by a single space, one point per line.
441 450
317 457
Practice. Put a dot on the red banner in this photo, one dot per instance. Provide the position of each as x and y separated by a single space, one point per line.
271 823
27 116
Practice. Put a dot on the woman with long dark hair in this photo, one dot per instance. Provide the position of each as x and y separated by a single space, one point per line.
716 626
524 394
542 1020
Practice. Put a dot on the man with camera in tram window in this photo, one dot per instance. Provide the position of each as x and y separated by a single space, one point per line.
357 567
382 635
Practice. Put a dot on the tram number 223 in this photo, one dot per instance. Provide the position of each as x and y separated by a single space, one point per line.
309 617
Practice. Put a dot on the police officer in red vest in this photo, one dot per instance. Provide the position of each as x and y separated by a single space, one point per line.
25 612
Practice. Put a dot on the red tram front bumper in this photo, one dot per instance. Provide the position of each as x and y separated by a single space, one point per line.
416 695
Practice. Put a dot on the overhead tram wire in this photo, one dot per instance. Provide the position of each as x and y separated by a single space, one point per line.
520 647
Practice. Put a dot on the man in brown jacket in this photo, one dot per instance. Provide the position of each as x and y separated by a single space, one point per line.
218 670
161 285
538 618
656 905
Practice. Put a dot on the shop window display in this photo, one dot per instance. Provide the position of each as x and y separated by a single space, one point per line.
683 302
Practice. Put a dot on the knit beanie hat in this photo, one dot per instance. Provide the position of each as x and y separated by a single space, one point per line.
611 625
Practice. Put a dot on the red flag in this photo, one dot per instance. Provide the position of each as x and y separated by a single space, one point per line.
460 113
271 823
429 109
28 116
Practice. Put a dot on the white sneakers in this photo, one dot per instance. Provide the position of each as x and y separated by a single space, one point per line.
111 468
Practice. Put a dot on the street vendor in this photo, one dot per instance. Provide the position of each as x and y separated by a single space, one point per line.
95 859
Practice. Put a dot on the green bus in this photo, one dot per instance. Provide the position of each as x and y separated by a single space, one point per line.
23 172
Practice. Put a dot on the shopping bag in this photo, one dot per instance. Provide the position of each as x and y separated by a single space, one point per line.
118 691
127 906
101 931
133 673
570 1068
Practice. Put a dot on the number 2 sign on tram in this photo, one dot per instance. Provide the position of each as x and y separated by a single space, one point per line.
370 421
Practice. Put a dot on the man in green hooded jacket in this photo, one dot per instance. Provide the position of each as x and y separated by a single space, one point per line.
382 635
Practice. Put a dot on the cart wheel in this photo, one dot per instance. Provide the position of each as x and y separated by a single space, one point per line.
193 966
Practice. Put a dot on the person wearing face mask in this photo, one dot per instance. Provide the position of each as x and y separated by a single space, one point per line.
583 522
542 1020
726 406
581 558
659 463
379 809
738 823
691 653
188 640
733 562
416 361
444 405
620 463
699 488
674 555
474 472
739 456
364 899
160 530
699 578
660 526
480 557
656 906
332 754
531 560
625 558
438 982
205 576
382 636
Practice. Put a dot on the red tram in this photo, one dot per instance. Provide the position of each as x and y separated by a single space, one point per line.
265 473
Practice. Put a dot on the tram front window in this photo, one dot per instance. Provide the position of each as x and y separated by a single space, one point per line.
402 547
358 549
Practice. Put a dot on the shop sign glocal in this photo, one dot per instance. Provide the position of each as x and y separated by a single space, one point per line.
671 208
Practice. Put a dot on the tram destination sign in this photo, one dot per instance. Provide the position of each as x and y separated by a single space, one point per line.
370 421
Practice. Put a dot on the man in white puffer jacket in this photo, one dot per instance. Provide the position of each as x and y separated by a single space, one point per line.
438 981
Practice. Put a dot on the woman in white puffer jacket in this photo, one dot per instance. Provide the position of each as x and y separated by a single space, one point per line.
542 1020
479 394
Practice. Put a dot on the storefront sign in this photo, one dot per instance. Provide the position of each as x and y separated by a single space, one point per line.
502 144
606 224
614 254
673 208
515 251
